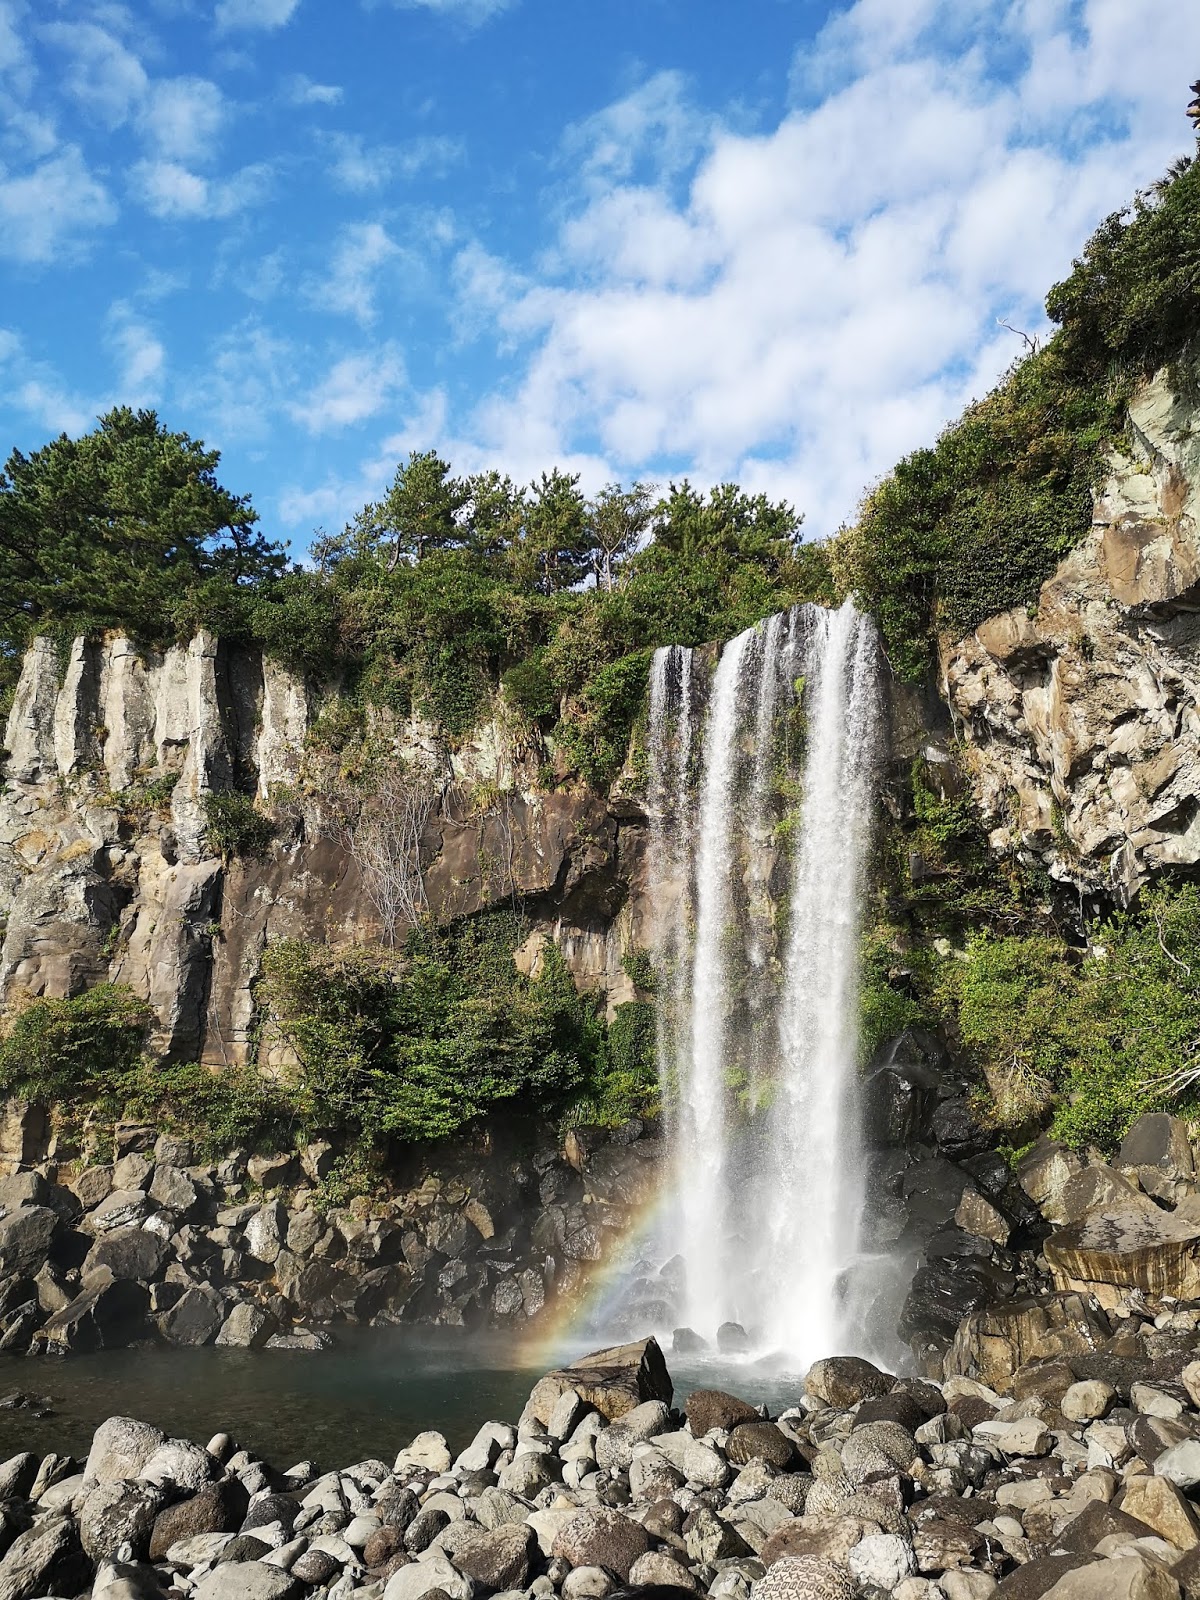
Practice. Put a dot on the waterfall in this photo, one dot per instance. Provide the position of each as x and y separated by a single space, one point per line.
758 1038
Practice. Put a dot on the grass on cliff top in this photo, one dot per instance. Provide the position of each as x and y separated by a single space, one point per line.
974 524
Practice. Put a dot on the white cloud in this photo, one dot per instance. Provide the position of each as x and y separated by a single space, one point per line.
248 376
470 12
45 213
182 118
266 14
141 356
107 80
364 252
175 193
360 168
354 389
300 90
33 387
802 306
335 501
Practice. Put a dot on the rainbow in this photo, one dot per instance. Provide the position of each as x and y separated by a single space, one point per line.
556 1336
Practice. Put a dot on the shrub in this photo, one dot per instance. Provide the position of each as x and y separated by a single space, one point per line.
64 1052
529 685
419 1046
233 825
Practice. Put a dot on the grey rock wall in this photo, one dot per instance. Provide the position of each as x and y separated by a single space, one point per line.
1080 719
96 885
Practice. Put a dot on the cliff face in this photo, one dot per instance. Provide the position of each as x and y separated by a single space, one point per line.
105 872
1080 720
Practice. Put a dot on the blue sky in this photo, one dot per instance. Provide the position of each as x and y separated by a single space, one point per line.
769 240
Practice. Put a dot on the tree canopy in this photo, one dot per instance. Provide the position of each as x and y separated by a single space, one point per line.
118 529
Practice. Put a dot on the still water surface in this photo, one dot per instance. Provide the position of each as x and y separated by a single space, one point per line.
366 1397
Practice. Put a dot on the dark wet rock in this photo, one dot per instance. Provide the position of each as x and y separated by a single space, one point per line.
714 1408
842 1381
217 1508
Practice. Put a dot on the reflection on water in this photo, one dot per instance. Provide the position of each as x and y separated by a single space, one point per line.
366 1397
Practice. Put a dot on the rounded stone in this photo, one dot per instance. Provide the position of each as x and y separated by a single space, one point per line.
805 1578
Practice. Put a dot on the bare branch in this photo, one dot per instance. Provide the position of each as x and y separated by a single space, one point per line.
380 821
1030 340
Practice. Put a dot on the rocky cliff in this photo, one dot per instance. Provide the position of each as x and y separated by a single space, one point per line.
1079 716
106 870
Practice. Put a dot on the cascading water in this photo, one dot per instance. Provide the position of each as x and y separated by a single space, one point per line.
758 1040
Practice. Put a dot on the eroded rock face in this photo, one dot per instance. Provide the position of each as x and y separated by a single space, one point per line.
1082 719
106 872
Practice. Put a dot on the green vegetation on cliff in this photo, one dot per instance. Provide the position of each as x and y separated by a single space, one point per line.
974 524
380 1046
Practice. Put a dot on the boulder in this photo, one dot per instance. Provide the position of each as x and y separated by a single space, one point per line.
265 1233
247 1327
805 1578
656 1567
714 1408
601 1538
122 1208
498 1558
47 1559
1161 1506
980 1217
115 1513
217 1508
92 1185
272 1172
179 1463
128 1253
120 1449
760 1441
107 1314
842 1381
992 1345
1044 1173
433 1574
1132 1244
174 1190
25 1238
246 1580
1158 1140
1133 1575
195 1318
613 1381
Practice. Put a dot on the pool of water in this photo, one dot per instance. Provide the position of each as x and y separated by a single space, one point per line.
366 1397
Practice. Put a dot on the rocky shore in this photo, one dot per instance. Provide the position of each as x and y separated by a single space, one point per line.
866 1486
243 1252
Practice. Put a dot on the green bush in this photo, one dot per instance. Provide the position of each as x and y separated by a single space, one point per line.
234 826
67 1052
419 1047
529 685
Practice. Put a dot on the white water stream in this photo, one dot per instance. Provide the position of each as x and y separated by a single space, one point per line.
758 1038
